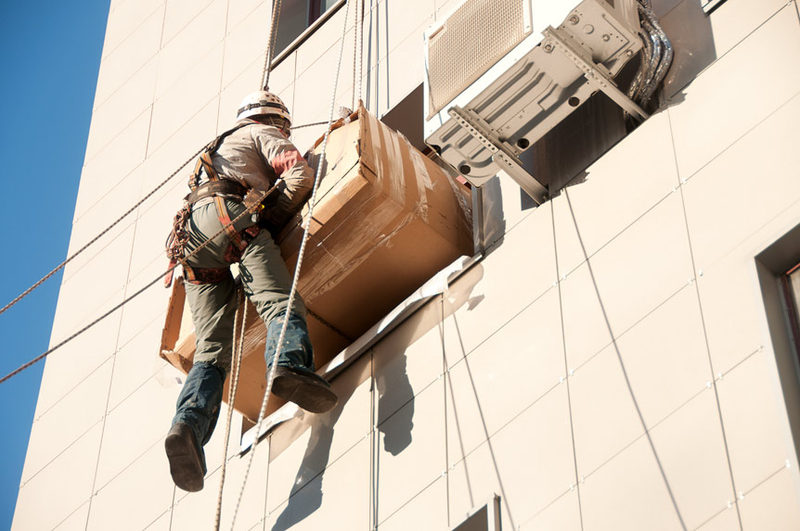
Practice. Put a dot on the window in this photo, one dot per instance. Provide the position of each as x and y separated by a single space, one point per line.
778 269
299 15
790 286
486 518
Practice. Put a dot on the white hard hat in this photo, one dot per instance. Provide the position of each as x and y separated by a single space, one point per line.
262 102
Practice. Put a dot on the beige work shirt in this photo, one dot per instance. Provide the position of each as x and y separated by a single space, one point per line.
255 156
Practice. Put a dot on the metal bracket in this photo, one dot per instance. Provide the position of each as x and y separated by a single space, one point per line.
592 72
501 155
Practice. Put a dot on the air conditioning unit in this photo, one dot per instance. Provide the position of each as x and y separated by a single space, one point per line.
502 73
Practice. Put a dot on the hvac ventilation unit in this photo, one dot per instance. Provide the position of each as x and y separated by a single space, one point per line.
494 86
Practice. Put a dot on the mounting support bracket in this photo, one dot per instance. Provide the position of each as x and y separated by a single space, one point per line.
501 155
595 74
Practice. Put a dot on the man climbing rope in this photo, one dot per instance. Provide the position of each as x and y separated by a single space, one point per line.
252 158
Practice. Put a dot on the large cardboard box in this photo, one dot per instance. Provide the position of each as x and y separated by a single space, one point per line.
386 219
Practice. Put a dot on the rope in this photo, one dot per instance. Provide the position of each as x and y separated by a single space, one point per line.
358 51
293 292
105 231
271 40
312 124
241 311
355 54
200 247
360 22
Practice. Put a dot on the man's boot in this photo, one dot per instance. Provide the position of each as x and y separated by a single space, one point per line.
295 379
305 388
185 459
197 412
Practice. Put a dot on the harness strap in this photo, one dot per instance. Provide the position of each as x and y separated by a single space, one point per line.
194 179
205 275
189 274
179 236
218 187
225 219
204 161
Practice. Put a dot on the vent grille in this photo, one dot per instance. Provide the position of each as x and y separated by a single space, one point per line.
472 40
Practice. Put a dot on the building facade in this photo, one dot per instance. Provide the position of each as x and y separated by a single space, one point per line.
621 357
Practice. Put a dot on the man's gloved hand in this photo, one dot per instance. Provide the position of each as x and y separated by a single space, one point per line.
272 217
276 227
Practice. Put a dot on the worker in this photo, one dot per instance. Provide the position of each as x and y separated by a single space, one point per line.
247 160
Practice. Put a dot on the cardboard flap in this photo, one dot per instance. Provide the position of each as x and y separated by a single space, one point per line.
172 325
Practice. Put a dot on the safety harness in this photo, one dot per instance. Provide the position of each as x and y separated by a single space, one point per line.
217 188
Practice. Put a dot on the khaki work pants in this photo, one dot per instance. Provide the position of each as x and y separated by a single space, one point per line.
264 277
266 282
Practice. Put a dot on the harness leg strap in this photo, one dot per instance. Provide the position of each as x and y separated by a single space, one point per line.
225 219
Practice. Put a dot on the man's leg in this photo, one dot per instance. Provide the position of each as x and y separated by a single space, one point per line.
197 411
267 284
296 351
213 307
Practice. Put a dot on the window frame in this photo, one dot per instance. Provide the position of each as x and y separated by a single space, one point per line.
710 5
485 517
772 267
790 288
306 33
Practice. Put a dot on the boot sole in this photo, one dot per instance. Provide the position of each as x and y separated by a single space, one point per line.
185 465
311 393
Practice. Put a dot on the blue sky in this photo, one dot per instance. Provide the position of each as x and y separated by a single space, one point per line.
50 60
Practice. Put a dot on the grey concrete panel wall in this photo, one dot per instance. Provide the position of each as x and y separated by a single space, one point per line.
607 365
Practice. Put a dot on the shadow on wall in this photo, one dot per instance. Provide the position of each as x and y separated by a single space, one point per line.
309 496
395 400
689 29
623 367
394 388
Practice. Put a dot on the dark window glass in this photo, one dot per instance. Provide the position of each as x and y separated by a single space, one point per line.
791 292
296 16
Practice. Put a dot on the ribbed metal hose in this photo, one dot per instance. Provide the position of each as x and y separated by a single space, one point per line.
666 56
657 56
652 65
636 85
